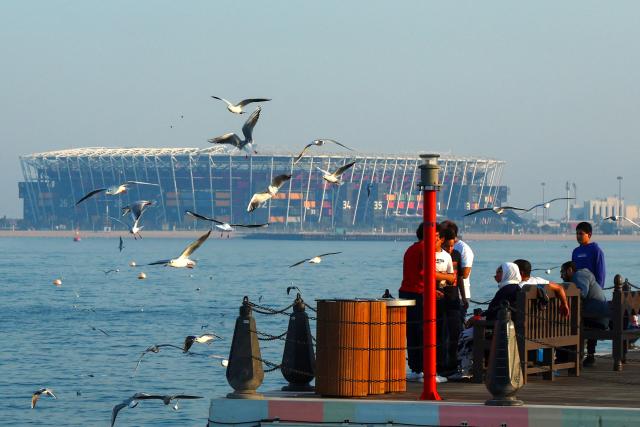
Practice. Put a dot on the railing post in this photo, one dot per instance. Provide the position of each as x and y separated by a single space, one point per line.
504 376
617 312
245 373
298 359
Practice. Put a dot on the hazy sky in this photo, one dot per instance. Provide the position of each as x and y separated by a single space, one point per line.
552 88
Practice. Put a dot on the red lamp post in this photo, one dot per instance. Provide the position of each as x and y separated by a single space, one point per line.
429 186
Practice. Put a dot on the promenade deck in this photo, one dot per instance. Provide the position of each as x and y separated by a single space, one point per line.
600 396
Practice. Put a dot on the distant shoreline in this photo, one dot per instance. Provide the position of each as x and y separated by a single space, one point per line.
314 236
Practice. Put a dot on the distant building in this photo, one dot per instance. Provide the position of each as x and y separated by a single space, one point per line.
597 209
379 192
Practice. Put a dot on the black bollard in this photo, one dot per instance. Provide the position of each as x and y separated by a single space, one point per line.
298 360
504 375
245 373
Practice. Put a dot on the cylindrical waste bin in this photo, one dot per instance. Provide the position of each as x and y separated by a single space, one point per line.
396 344
378 337
342 347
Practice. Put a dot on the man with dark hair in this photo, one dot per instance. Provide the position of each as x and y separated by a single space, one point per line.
412 287
589 255
524 267
595 309
464 270
449 325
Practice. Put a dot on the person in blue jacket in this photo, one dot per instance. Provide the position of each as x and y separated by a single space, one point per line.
589 255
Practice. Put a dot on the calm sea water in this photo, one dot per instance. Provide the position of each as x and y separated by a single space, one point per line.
48 340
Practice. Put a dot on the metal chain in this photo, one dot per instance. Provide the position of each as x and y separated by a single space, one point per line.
261 309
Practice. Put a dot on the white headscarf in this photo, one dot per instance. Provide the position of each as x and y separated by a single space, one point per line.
510 274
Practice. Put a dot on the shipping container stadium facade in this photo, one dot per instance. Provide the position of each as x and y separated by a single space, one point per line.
379 191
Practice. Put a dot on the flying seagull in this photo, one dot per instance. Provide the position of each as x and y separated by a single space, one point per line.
135 210
99 330
153 349
113 190
205 338
334 177
314 260
36 395
121 244
224 227
183 260
133 401
292 287
620 218
317 143
496 209
546 204
247 130
237 108
261 198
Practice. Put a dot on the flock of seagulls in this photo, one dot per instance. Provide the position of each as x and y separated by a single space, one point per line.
137 209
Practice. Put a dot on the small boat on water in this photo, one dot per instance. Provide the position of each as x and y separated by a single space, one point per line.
76 238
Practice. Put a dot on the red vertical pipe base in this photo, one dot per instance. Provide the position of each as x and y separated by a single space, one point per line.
429 391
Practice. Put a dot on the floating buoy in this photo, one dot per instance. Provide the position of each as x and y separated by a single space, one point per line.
57 282
142 276
132 264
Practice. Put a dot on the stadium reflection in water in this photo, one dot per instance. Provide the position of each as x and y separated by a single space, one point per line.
379 192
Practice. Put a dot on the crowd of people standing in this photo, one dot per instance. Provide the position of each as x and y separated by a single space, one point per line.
453 264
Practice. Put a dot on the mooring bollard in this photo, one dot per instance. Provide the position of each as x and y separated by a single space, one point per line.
298 359
504 375
245 373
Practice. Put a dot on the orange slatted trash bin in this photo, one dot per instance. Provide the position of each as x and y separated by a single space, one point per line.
342 348
396 343
378 337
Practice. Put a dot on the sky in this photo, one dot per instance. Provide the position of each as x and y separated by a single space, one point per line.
550 87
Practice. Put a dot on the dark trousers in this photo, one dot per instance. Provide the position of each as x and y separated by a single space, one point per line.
414 331
593 324
448 327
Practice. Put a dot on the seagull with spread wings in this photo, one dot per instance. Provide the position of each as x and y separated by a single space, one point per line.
113 190
245 144
314 260
36 395
206 338
620 218
135 210
546 270
237 108
183 260
546 204
496 209
335 177
132 402
153 349
317 143
259 199
224 227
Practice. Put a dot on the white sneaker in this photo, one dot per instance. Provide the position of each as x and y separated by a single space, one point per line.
415 376
440 379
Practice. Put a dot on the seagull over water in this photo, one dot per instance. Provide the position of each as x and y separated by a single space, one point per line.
496 209
113 190
335 177
237 108
546 204
261 198
153 349
620 218
136 210
314 260
183 260
245 144
546 270
133 401
206 338
223 226
121 244
36 395
317 143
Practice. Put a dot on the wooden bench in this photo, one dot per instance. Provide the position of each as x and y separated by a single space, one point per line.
537 328
623 305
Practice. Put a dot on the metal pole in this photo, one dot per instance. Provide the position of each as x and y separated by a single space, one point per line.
429 185
620 213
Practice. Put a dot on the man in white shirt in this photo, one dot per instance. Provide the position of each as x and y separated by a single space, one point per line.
464 270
